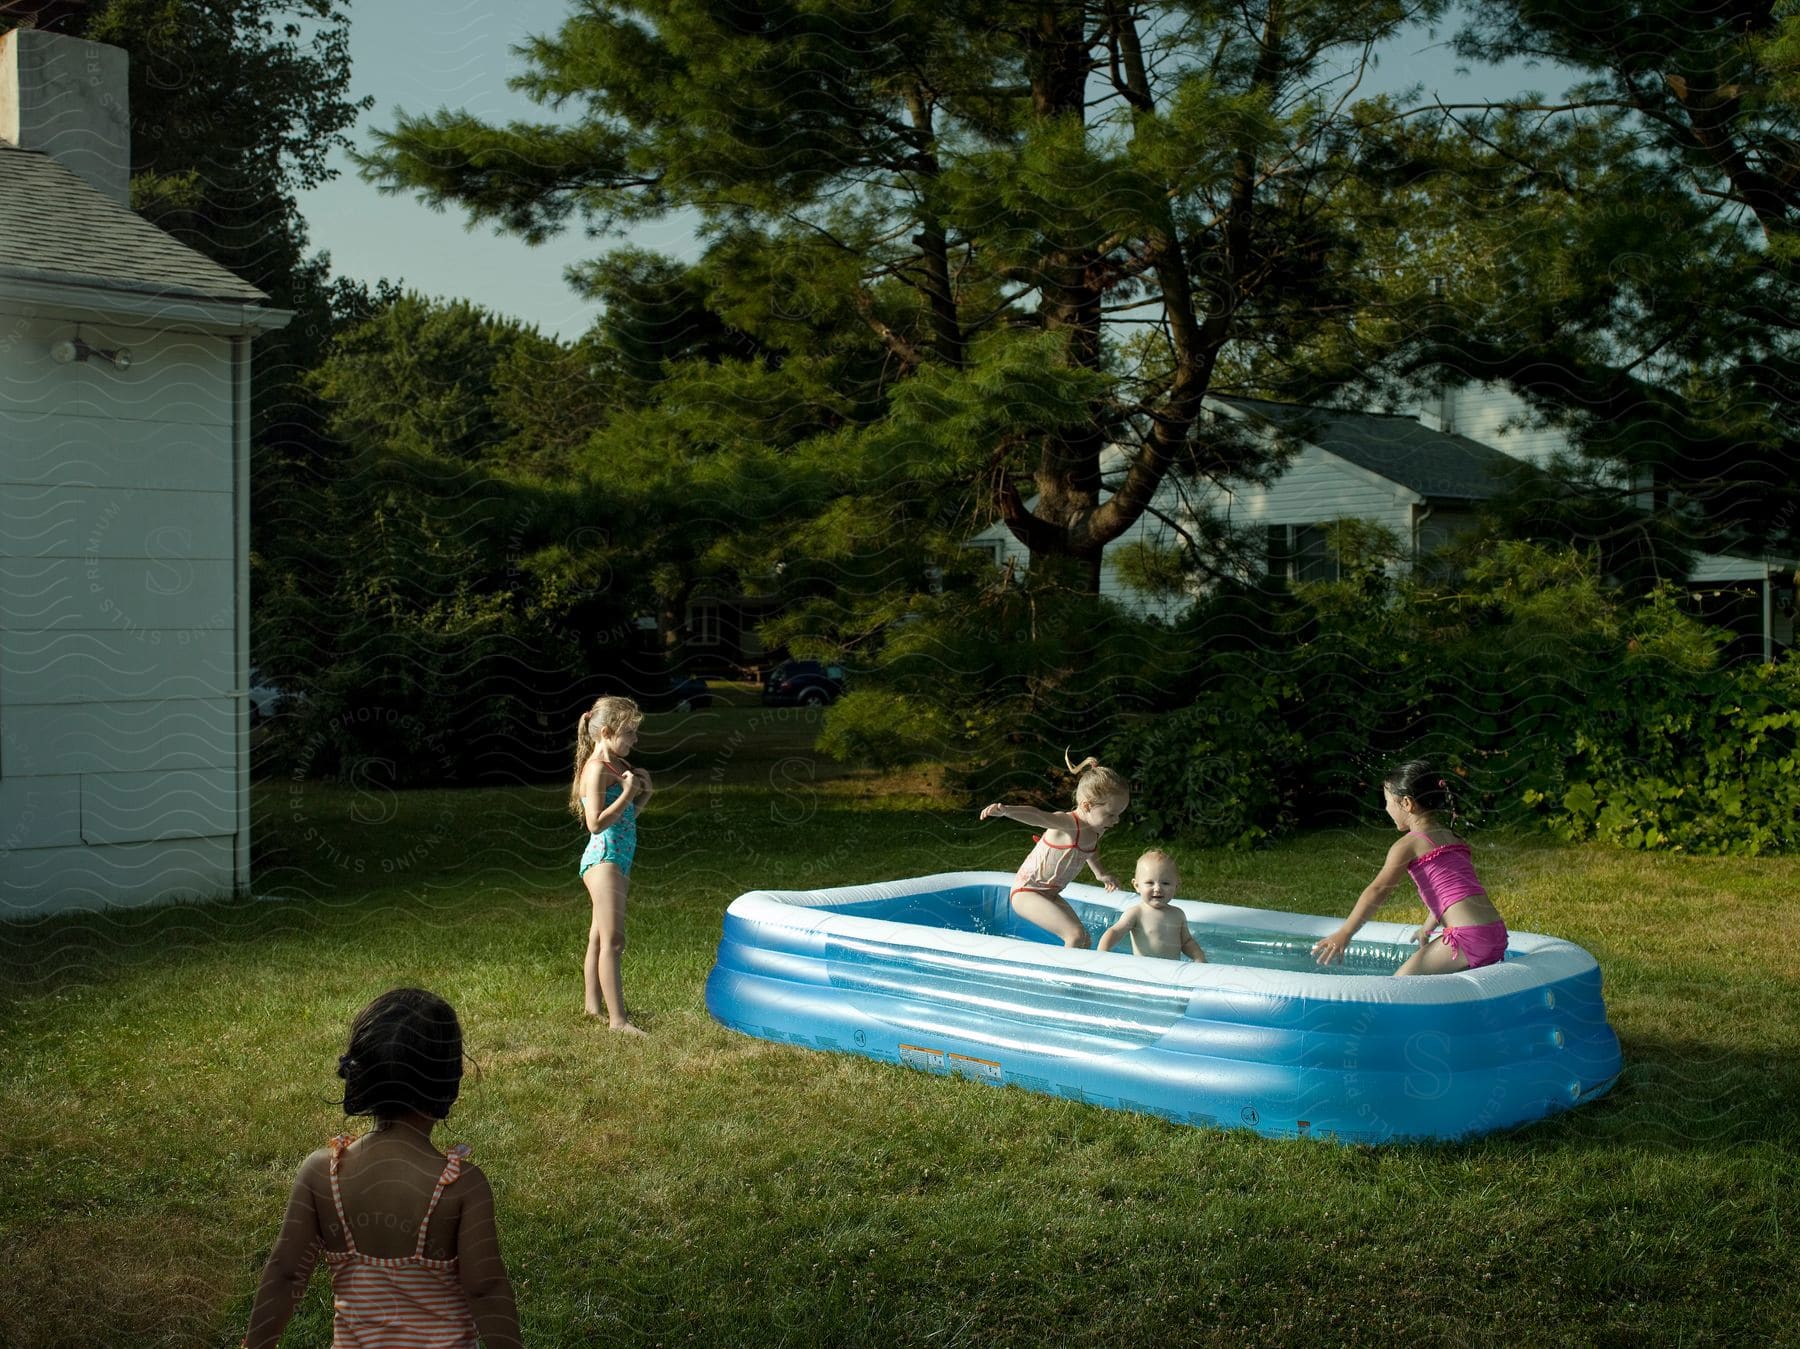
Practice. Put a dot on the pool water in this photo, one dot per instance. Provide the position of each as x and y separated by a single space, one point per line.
986 911
1233 945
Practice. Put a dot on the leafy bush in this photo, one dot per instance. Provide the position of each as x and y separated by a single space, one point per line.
1702 763
885 729
1222 771
1556 699
996 683
443 598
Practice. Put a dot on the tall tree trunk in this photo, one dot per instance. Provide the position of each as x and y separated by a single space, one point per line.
932 242
1069 291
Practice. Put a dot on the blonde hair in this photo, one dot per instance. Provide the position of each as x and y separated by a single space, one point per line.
1094 783
1158 855
609 713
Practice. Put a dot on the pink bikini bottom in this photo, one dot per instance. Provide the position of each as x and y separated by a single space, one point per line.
1482 944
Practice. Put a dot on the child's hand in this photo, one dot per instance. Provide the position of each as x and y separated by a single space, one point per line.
1110 882
989 812
1423 935
644 785
1329 950
628 785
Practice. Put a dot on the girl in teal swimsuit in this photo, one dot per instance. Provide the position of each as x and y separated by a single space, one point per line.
606 796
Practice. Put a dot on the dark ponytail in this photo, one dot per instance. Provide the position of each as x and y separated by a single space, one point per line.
1432 790
405 1054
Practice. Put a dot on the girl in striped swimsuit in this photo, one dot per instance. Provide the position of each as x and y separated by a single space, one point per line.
407 1231
1071 840
1417 798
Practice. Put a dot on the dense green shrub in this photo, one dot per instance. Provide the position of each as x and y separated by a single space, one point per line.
441 594
996 683
1222 771
1555 698
885 729
1705 762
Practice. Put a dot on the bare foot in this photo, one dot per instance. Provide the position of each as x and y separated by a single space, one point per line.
626 1028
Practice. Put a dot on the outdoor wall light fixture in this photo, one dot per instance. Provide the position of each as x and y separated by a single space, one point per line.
74 349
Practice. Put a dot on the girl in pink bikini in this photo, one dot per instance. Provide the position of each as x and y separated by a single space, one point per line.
1070 841
1439 862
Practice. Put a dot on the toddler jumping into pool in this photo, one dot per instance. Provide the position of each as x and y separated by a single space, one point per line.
1070 839
1156 927
1439 861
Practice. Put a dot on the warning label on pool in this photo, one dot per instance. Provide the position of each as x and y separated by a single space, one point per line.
914 1056
985 1069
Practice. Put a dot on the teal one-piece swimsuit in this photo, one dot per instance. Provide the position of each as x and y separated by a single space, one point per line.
617 843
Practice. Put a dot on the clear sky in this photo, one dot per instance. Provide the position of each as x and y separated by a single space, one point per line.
422 55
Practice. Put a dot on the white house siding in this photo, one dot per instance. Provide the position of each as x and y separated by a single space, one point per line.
1496 416
119 597
1317 489
132 807
1154 531
117 876
1718 568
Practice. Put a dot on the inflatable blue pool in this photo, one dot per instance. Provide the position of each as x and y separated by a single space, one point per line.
939 974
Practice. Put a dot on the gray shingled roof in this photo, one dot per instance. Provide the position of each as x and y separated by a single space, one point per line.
1438 465
54 227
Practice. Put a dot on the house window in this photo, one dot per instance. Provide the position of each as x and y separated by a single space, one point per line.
703 624
1313 560
1301 553
1647 493
1440 532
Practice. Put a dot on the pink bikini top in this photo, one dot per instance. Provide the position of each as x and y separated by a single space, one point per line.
1445 876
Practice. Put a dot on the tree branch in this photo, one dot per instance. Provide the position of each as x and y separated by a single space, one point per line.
909 355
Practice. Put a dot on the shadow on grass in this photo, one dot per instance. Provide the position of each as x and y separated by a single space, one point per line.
1691 1095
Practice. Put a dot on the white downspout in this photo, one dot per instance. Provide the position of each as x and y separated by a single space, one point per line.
1768 615
240 509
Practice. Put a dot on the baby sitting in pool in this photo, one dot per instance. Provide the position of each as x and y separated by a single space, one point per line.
1155 927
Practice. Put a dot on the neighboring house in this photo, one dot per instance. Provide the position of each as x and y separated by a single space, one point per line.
124 513
718 636
1421 483
1420 475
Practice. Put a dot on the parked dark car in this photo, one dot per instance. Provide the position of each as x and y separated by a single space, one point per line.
802 683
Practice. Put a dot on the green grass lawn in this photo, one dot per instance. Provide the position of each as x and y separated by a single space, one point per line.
165 1071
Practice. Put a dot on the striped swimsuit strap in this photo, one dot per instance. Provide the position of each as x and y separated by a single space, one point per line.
453 1163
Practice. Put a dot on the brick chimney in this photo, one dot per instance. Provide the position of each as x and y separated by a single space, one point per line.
71 100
